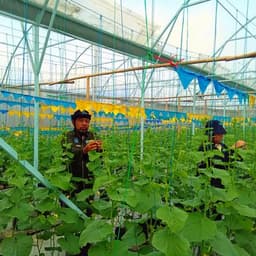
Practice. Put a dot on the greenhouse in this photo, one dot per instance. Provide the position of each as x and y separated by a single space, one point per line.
127 128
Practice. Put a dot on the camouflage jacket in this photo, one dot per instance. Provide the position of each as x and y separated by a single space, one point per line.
74 142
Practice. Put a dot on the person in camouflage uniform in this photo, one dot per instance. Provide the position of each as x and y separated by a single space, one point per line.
80 141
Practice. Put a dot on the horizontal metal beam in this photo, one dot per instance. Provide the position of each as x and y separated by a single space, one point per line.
75 28
65 24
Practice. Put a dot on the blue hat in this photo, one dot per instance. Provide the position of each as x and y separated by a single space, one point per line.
214 127
80 114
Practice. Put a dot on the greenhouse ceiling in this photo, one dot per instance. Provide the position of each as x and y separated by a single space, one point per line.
89 37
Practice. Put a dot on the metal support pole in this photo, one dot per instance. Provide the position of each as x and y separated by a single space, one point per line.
36 93
244 121
141 117
194 107
38 60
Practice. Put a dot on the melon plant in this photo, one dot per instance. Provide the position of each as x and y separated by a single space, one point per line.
143 204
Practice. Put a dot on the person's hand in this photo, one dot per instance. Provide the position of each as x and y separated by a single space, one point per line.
240 144
99 145
91 145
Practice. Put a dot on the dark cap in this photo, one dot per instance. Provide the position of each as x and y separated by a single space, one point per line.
80 114
214 127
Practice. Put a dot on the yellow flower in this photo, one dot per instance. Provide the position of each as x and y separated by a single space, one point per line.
17 133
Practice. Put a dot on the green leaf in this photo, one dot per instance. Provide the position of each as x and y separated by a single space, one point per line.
141 182
223 195
237 222
104 208
127 195
244 210
246 240
193 203
155 254
224 176
241 251
19 245
247 196
46 235
170 243
40 223
115 248
5 204
46 205
14 194
68 215
96 231
40 193
67 228
174 217
4 220
223 246
199 228
55 170
100 248
61 181
147 198
133 235
118 248
103 181
83 195
70 244
96 168
22 211
93 155
101 205
18 181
